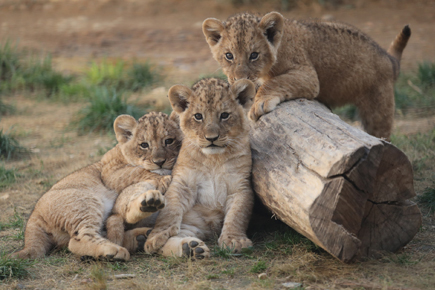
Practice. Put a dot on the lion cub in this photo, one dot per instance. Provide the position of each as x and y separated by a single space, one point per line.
73 211
288 59
210 193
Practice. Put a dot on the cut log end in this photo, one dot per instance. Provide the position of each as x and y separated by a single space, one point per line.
345 190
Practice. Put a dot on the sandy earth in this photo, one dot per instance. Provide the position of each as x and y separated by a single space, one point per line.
77 32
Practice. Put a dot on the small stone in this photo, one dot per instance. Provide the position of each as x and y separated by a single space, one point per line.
262 276
291 285
124 276
86 281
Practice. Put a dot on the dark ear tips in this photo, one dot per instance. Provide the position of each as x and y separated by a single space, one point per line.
212 29
178 96
272 24
244 92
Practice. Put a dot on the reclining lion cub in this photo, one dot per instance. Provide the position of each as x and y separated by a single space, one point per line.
288 59
210 193
73 211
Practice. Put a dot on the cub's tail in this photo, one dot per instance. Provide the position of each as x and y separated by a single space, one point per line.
398 45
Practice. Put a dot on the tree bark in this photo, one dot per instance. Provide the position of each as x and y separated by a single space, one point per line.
343 189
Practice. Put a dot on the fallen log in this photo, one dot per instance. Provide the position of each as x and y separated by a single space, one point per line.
345 190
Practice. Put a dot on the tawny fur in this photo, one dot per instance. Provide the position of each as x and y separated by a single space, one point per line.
72 212
210 194
333 62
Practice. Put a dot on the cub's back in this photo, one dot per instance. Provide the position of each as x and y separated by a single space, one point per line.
340 53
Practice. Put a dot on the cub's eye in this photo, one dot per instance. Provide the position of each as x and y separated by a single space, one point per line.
225 116
144 145
169 141
229 56
198 116
253 56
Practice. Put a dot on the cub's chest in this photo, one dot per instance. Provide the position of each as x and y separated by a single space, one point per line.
212 189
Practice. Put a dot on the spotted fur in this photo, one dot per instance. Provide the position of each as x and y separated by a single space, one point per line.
73 211
210 194
330 61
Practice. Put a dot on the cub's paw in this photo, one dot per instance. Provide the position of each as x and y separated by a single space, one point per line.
144 205
194 248
263 106
234 243
152 201
134 240
112 252
158 238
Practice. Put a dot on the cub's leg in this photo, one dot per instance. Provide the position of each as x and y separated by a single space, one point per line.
198 224
115 229
90 243
37 241
239 207
300 82
377 111
135 203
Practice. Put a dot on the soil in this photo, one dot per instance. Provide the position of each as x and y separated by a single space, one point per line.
168 33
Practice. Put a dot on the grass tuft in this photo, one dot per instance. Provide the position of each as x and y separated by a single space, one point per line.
420 149
260 267
142 75
99 276
428 199
114 75
426 74
13 268
105 105
7 176
9 146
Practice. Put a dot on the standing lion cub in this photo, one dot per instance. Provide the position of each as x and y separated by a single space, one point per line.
210 193
73 211
288 59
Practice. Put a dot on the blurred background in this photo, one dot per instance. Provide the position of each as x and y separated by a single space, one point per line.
69 67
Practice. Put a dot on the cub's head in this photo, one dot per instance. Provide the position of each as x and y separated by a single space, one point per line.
152 142
211 113
245 45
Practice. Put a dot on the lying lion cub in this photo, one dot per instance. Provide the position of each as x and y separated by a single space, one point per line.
210 193
288 59
72 212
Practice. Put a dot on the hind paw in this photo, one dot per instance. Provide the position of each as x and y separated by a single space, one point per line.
195 248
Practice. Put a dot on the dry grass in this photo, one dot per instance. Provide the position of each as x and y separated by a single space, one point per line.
283 255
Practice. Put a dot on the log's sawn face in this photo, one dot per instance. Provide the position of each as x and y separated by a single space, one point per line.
343 189
288 59
210 193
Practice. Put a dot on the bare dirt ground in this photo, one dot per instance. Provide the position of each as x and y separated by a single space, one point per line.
169 33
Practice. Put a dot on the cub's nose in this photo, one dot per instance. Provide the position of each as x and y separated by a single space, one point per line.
159 162
211 139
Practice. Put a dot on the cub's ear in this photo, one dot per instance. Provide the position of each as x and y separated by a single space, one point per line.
174 117
179 97
124 126
272 25
244 91
212 29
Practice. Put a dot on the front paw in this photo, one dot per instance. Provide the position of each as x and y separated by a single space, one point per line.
144 205
263 105
158 239
234 243
152 201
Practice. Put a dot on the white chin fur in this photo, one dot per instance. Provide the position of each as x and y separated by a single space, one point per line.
213 150
162 171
